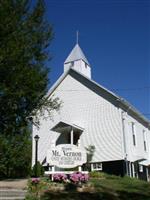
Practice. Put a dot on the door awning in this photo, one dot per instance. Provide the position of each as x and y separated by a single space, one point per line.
138 159
61 127
145 162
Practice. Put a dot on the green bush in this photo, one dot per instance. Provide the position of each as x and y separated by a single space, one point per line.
111 176
31 197
40 170
95 174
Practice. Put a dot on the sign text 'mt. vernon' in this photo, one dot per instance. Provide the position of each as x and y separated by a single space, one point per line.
66 156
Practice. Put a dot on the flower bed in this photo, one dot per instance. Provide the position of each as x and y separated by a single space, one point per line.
75 178
78 177
61 177
61 182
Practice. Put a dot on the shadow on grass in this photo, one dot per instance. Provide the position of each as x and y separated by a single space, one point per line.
77 196
133 196
93 196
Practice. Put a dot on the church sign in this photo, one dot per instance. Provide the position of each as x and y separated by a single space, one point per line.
66 156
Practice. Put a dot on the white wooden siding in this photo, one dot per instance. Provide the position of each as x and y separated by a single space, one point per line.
100 119
136 152
102 123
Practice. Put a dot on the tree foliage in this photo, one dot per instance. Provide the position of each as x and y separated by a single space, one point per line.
15 155
39 170
90 150
24 39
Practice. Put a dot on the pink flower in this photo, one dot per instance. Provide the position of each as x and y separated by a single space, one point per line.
60 177
35 180
78 177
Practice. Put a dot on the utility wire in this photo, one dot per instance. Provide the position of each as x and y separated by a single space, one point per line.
131 89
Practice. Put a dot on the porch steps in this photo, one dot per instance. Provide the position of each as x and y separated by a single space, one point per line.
12 194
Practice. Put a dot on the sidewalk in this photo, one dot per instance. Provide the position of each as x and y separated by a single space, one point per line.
14 183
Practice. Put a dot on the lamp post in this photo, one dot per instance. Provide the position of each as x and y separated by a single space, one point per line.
36 153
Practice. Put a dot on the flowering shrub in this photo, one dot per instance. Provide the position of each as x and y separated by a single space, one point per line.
78 177
60 177
35 180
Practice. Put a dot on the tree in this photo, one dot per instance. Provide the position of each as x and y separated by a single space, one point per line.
24 39
15 155
90 150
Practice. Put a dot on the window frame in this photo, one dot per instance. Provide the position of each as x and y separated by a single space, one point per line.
144 141
133 129
98 166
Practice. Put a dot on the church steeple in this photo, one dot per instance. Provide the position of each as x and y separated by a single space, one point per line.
78 61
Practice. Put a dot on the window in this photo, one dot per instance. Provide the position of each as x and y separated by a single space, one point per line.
96 166
85 65
72 64
133 133
144 140
140 168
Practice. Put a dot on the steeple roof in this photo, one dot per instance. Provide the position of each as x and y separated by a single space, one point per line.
76 54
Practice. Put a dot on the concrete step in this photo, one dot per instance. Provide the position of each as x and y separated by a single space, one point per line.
12 194
12 198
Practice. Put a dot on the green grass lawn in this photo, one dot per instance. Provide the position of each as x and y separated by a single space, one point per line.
103 187
122 188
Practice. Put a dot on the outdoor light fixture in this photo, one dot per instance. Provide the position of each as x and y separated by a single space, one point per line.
36 137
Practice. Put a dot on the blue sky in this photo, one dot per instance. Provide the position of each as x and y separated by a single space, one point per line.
115 37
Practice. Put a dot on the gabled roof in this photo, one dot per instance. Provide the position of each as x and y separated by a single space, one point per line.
76 54
105 93
62 126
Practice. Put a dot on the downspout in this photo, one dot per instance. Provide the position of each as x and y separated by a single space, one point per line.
124 143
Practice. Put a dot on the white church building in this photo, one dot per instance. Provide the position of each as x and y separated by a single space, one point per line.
92 115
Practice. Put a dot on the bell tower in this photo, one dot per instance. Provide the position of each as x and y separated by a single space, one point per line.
77 60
